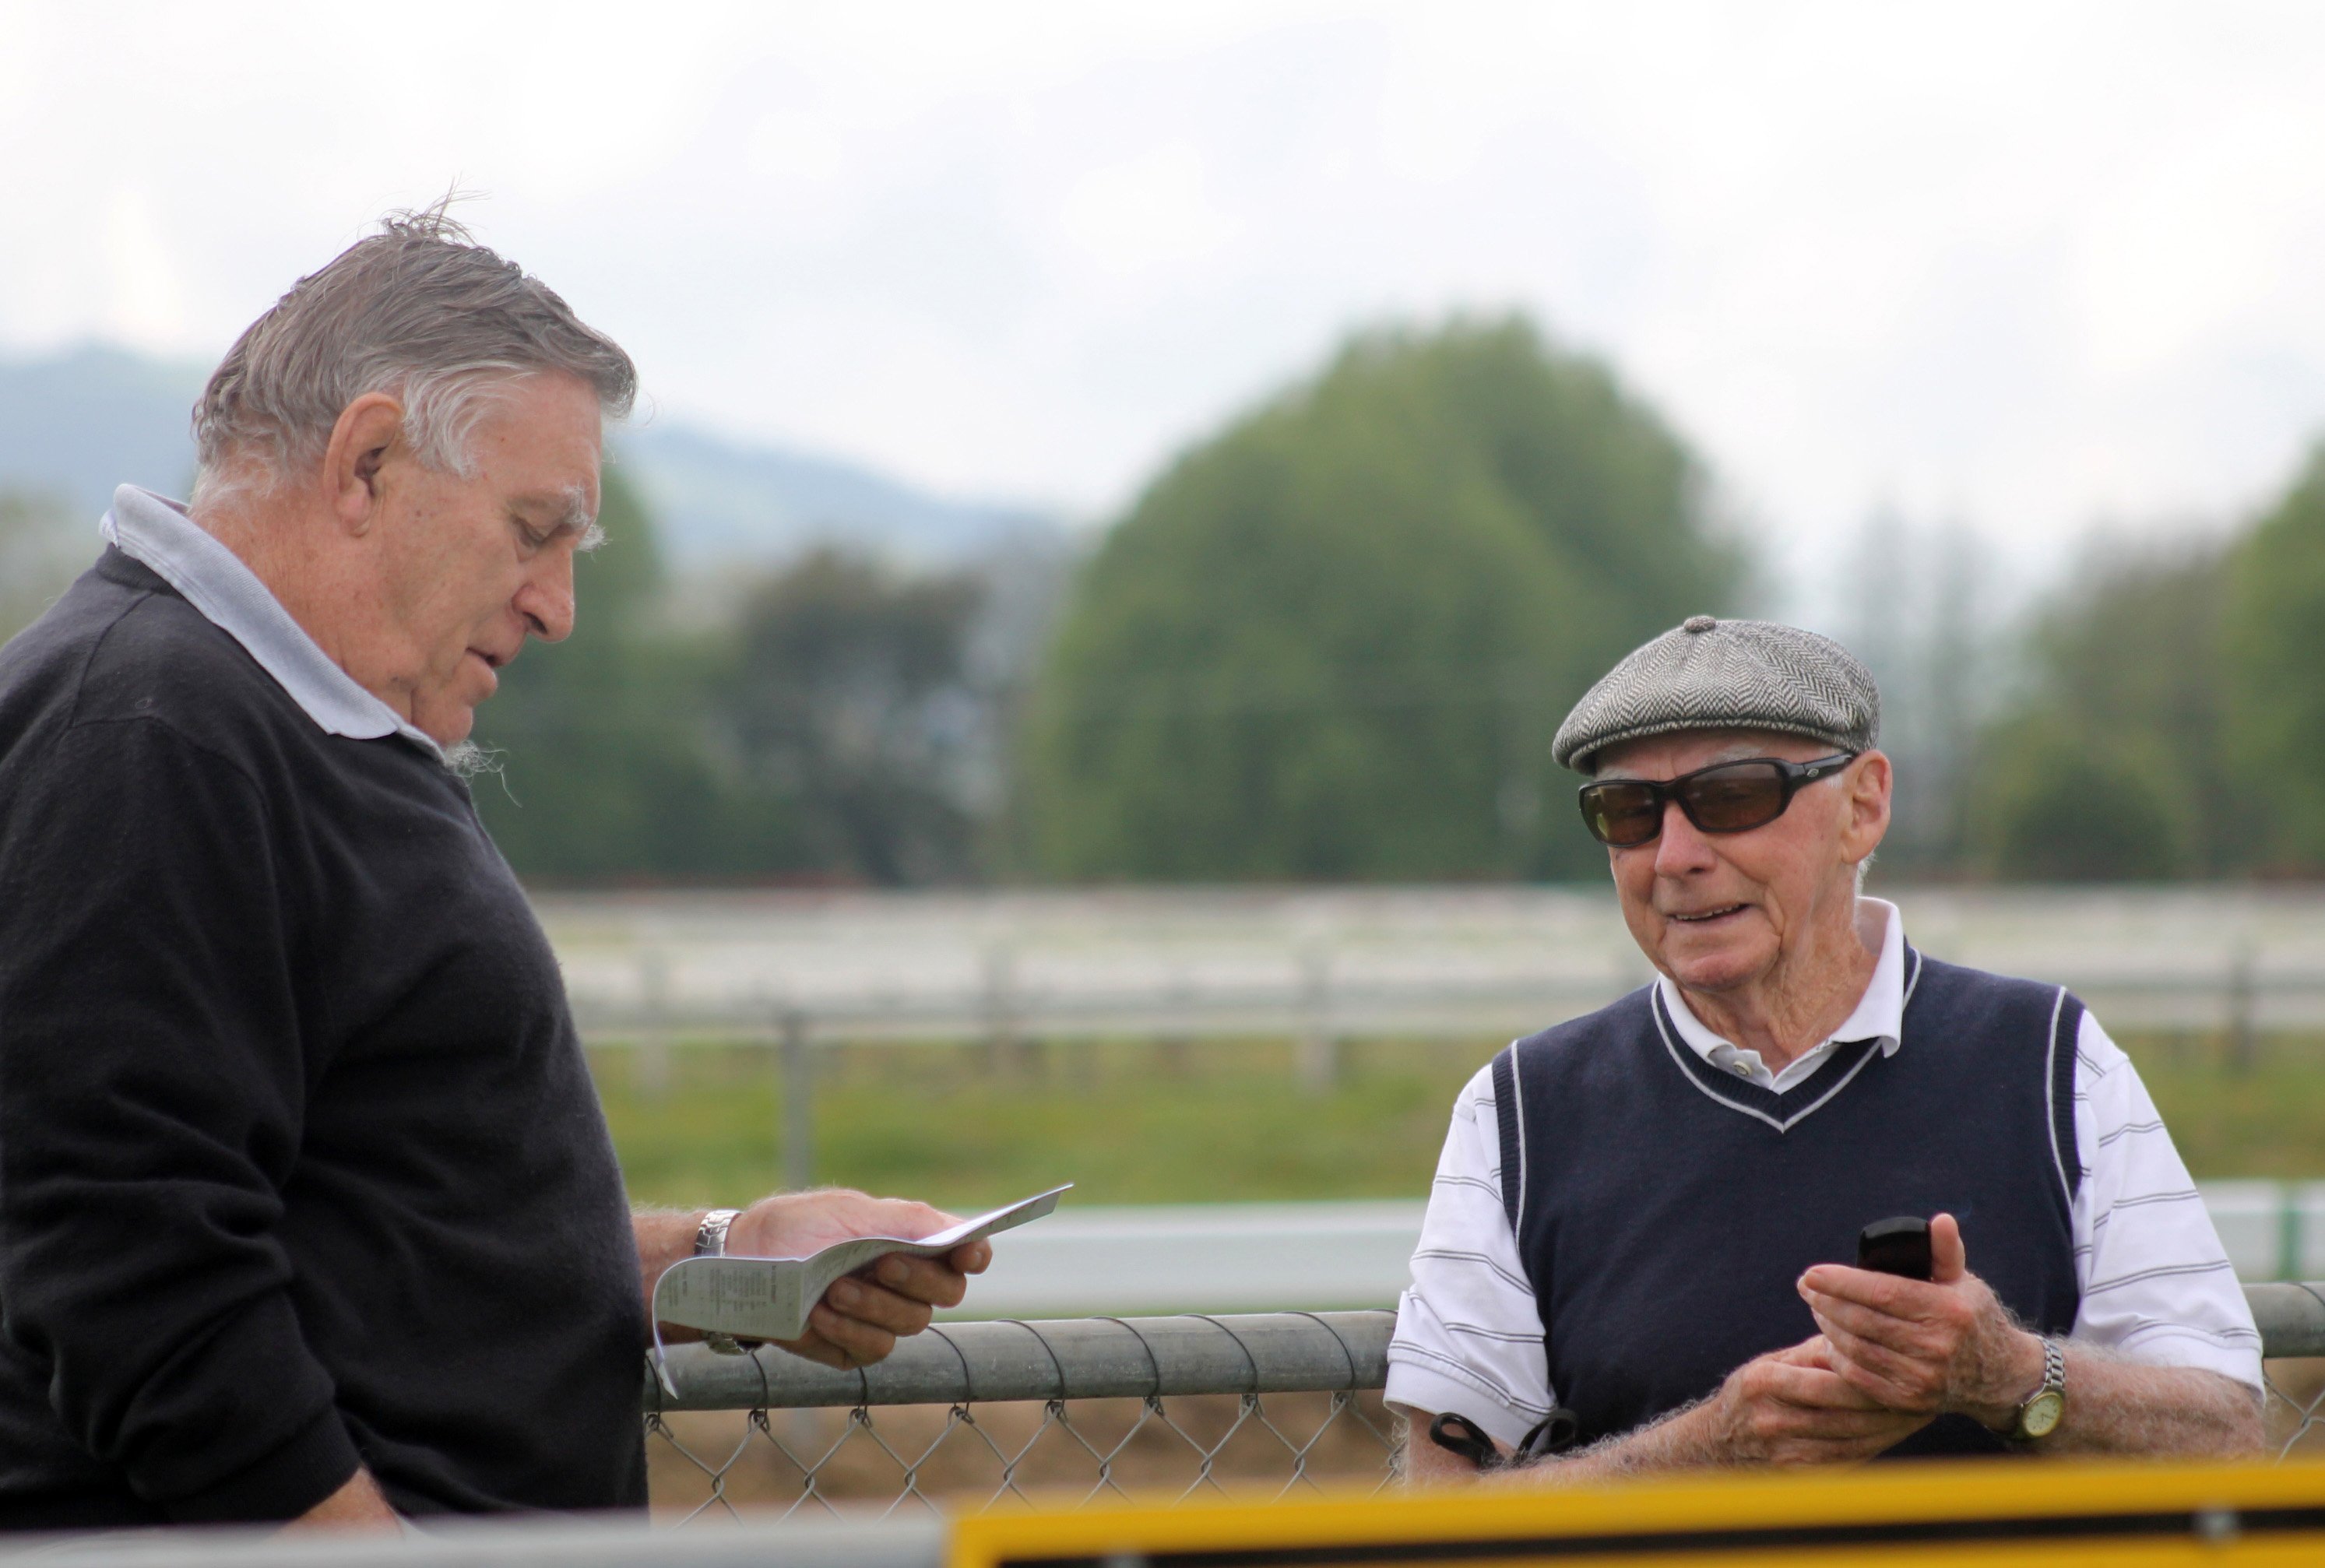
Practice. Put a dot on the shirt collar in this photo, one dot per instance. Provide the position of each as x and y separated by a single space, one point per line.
158 532
1880 1012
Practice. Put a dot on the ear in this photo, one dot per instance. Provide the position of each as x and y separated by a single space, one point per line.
1865 813
367 431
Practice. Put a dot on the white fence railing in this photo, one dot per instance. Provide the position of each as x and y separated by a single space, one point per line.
798 972
1360 961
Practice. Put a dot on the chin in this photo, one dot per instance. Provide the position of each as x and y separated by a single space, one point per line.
1715 966
446 725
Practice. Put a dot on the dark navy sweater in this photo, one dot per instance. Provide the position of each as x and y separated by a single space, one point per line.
1664 1210
299 1162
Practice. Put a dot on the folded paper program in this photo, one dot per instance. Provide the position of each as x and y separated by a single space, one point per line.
769 1298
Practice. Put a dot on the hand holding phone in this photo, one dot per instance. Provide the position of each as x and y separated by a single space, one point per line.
1900 1247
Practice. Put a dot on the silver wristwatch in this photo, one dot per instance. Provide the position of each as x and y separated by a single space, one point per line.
2039 1414
710 1241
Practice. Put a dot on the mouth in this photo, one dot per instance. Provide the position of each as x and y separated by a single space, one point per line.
1709 916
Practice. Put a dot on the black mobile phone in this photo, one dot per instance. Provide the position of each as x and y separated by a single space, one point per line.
1900 1247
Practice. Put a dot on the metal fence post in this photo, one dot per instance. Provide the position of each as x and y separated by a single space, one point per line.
1004 1046
1173 1049
1317 1053
798 1071
2244 1045
651 1071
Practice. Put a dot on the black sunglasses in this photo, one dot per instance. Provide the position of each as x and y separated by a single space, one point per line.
1728 797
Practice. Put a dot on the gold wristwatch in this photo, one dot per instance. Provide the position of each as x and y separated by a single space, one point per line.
2039 1416
710 1241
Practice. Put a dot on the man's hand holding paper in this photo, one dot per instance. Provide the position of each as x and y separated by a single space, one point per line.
862 1316
833 1276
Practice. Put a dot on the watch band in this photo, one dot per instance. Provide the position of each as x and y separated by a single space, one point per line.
2040 1413
710 1235
710 1241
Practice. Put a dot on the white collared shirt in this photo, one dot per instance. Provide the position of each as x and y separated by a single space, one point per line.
159 534
1880 1012
2157 1284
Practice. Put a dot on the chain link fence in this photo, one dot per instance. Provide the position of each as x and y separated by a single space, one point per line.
1062 1413
2296 1407
1032 1415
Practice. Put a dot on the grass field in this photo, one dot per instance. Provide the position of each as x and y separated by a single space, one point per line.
1220 1121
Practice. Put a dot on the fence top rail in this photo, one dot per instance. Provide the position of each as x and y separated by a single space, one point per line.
1056 1359
2290 1318
1191 1353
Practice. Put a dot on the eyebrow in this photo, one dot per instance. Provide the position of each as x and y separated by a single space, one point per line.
575 517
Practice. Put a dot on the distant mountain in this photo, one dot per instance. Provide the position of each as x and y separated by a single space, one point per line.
721 499
75 425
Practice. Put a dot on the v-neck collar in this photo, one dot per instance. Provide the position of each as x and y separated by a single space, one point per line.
1876 1016
1786 1110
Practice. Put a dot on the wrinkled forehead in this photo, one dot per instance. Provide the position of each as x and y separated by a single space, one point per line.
539 449
546 428
1684 751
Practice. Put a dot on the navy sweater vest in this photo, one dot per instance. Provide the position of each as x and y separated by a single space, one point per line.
1664 1210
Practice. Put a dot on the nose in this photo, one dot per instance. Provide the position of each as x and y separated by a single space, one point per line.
1680 849
545 597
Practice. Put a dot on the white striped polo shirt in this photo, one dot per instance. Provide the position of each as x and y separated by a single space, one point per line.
2157 1284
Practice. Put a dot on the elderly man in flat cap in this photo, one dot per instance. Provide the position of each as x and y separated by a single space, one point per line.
1639 1246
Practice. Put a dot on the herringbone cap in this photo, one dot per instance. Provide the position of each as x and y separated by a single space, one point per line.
1715 674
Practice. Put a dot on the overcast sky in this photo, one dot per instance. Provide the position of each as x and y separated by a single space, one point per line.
2027 265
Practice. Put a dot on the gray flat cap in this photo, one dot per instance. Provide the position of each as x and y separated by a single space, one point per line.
1715 674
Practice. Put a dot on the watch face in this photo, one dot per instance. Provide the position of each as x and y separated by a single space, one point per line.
2041 1414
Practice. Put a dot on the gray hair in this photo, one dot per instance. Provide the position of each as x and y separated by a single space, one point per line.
419 310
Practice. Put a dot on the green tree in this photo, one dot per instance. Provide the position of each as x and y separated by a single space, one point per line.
2275 627
1918 612
1332 641
849 691
2112 763
601 766
41 552
2064 801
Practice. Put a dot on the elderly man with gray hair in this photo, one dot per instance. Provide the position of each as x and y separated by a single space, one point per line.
306 1207
1641 1250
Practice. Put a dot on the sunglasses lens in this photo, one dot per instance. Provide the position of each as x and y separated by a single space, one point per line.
1621 814
1731 800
